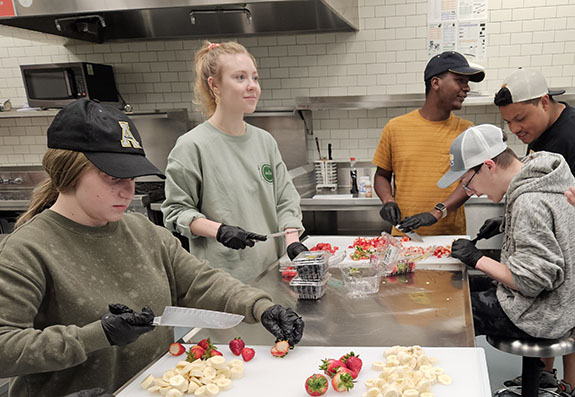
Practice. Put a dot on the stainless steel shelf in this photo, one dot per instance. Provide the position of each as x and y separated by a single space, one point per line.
394 101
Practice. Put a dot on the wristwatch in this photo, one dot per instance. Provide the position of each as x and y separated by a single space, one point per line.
441 208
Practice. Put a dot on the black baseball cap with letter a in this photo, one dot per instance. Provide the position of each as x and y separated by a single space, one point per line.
106 136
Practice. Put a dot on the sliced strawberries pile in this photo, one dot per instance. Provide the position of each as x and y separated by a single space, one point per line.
280 349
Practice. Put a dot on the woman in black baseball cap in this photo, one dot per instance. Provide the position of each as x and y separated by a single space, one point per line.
75 254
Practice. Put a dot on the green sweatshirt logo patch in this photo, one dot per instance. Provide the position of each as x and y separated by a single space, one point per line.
266 172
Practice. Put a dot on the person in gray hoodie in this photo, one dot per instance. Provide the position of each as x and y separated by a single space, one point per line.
530 292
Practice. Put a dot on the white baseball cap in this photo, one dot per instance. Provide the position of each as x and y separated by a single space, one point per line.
526 84
472 147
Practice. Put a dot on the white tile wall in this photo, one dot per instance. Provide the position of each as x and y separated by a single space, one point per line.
387 56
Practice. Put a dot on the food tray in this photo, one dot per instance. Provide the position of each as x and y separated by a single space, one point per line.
312 265
310 289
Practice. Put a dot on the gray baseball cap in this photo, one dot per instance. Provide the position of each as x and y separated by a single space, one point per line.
526 84
472 147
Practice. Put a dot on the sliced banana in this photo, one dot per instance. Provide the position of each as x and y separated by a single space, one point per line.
212 389
154 389
147 382
201 391
427 394
410 393
378 365
237 372
192 387
217 362
444 379
224 384
174 393
373 392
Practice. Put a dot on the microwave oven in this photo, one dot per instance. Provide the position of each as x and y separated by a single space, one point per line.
55 85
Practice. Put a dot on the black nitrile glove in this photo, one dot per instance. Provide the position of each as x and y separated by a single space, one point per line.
283 323
237 238
466 252
99 392
390 212
413 222
294 249
491 227
122 325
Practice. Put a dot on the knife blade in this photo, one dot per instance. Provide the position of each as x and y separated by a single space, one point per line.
176 316
414 236
280 234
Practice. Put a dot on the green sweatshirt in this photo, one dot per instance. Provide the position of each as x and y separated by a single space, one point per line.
57 278
236 180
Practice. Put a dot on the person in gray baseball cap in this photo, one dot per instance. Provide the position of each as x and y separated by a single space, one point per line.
534 280
410 142
529 108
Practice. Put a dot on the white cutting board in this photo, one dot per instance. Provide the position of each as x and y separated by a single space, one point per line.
343 242
266 375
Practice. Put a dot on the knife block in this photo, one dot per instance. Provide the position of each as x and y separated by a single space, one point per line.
325 175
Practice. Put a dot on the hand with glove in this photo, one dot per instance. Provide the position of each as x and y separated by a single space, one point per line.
237 238
390 212
413 222
283 323
466 252
294 249
123 326
491 227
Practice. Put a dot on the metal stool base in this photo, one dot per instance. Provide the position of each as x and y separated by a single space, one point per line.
515 391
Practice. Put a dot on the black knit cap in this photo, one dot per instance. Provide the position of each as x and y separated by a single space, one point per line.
106 136
451 61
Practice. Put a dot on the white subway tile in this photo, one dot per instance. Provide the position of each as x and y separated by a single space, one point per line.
523 13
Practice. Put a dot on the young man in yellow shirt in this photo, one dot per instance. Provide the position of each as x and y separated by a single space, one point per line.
414 149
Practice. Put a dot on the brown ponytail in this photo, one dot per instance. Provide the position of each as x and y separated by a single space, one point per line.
207 63
64 168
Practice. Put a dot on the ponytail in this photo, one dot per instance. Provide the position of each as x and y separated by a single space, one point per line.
64 168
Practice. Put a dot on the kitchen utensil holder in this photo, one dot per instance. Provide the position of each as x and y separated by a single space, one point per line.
325 174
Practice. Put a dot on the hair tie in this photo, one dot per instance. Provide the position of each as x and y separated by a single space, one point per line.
212 45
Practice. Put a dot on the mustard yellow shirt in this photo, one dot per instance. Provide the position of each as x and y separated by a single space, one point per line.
416 150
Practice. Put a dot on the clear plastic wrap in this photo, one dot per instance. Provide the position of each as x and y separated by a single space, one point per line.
392 258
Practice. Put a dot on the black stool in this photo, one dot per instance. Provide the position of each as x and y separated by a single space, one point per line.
532 350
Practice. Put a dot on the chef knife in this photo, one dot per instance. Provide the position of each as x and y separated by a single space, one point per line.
411 234
281 234
176 316
414 236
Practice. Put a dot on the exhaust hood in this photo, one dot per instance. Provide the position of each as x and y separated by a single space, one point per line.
128 20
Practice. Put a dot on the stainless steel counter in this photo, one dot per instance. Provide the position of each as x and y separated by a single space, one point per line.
429 307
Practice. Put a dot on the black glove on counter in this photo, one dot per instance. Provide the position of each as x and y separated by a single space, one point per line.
491 227
466 252
390 213
283 323
237 238
415 221
123 326
99 392
294 249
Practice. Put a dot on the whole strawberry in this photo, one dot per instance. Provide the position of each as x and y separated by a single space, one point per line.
342 382
237 345
353 362
248 353
205 343
330 366
196 352
316 385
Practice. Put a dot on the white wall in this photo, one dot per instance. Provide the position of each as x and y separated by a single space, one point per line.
387 56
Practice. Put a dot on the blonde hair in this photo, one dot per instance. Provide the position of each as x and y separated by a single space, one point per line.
64 168
207 64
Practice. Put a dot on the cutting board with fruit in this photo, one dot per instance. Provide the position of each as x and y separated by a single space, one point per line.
459 371
345 242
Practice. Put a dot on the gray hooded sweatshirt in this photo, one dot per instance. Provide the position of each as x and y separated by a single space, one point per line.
539 248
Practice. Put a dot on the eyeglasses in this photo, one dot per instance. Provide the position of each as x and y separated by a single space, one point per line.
466 186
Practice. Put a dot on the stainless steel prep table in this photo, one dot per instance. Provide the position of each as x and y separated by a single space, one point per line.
430 307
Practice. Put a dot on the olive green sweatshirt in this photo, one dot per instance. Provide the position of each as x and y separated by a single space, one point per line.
57 278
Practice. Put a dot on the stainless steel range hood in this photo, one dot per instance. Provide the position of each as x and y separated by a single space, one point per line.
123 20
